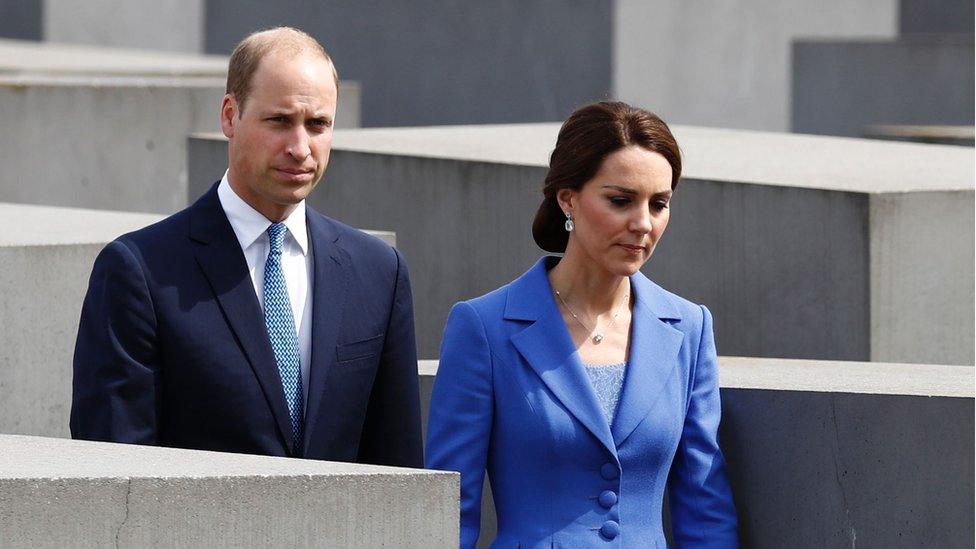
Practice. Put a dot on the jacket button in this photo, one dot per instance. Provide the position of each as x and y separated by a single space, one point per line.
607 499
610 529
609 471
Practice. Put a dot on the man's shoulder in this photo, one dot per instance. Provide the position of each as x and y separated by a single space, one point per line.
357 244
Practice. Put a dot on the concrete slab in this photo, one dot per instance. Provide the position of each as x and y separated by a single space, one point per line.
841 87
177 25
108 142
56 493
776 233
19 56
427 62
47 254
727 64
838 454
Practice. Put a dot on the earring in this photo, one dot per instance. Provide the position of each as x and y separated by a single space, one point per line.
569 222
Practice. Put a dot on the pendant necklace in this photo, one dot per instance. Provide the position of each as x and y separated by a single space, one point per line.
597 337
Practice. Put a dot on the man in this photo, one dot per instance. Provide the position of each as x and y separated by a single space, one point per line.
249 322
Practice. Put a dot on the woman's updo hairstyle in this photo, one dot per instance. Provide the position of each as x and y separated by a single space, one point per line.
585 139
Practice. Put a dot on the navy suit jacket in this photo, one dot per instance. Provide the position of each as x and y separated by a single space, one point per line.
172 348
511 397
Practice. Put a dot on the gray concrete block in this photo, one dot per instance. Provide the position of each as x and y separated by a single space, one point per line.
935 16
47 254
176 25
427 62
728 64
102 142
21 57
21 19
119 141
922 257
843 87
839 454
56 493
773 232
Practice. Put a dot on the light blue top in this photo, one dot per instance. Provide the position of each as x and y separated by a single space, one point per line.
607 381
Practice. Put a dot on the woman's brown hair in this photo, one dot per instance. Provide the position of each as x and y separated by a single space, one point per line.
586 138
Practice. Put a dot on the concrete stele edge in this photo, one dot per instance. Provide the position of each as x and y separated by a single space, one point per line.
32 225
827 376
712 154
49 458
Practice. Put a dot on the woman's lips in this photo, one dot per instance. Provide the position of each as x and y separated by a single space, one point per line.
633 249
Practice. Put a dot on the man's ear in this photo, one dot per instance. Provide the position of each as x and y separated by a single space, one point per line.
567 199
229 114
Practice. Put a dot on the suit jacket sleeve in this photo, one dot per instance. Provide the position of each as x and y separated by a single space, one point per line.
461 413
702 511
114 389
391 431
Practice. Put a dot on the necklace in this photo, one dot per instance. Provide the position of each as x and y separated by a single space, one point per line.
597 336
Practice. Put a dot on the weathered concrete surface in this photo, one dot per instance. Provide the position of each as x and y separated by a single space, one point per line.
56 493
24 57
47 255
727 64
935 16
772 231
103 142
430 62
174 25
842 87
21 19
113 143
922 292
839 454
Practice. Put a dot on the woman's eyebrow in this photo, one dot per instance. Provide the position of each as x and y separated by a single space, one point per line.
625 190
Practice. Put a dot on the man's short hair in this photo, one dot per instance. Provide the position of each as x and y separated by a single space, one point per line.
251 50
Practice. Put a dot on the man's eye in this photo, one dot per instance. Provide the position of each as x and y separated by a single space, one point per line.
277 119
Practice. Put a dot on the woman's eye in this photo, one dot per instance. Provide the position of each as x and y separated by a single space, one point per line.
619 200
659 205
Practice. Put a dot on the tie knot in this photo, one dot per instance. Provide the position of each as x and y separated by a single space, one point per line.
276 237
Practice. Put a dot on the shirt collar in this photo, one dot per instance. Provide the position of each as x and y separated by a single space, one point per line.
249 224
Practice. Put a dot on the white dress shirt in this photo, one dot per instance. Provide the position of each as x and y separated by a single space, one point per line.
251 229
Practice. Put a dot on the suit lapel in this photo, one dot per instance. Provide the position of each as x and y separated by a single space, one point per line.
654 346
328 300
220 257
548 349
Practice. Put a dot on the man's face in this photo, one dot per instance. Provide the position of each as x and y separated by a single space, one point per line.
279 143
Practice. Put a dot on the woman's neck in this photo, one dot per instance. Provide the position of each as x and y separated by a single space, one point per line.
591 289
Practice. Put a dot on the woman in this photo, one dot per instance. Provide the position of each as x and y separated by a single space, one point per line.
582 387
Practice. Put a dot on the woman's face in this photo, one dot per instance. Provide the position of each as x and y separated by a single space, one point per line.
622 212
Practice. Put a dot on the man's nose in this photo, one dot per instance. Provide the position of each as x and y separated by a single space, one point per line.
299 144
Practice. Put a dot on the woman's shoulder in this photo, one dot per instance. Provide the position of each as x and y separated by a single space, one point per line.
671 306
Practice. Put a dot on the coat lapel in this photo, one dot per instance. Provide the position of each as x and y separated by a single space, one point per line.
220 257
654 347
328 300
547 347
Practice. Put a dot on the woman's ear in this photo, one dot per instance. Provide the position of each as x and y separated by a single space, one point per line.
566 198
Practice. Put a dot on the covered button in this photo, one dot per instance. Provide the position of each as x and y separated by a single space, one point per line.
610 529
609 471
608 498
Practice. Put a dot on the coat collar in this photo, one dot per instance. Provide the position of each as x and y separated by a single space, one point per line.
547 347
219 255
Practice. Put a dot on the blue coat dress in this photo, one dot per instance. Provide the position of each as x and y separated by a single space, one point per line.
511 397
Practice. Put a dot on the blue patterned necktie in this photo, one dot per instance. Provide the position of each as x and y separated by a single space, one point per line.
281 331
